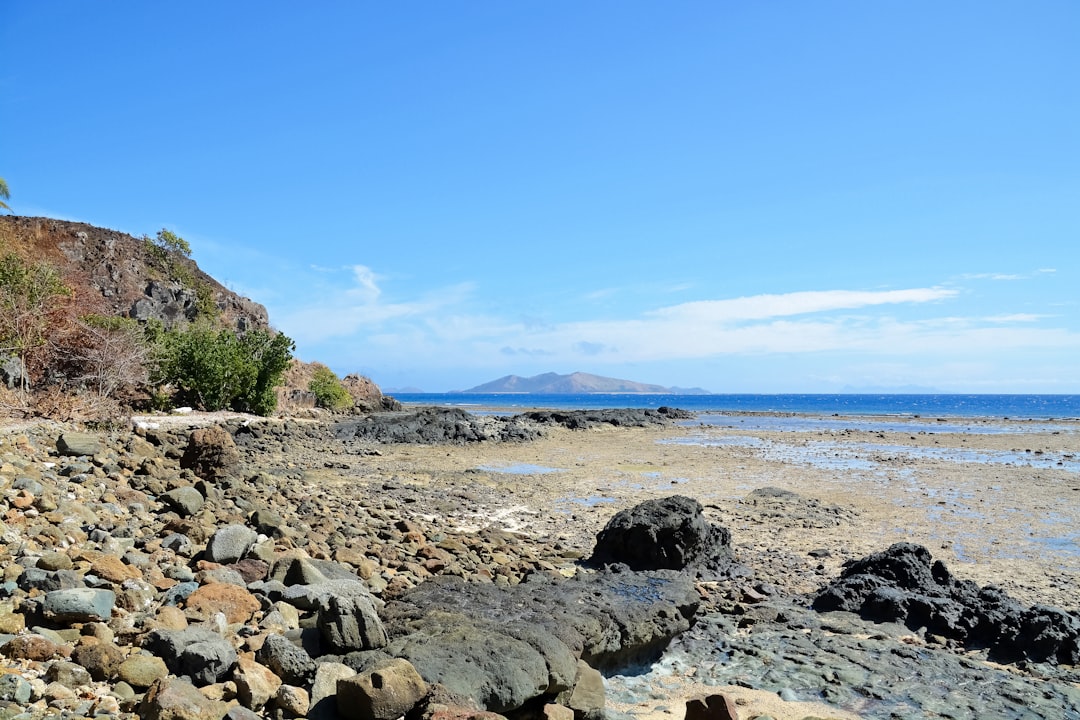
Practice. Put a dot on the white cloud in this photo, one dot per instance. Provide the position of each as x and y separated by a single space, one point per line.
993 276
760 307
1007 276
1016 318
441 329
367 288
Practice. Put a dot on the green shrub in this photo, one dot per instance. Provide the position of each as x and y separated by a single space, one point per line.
328 390
215 369
171 242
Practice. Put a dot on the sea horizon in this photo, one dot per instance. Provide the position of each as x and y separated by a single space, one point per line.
992 405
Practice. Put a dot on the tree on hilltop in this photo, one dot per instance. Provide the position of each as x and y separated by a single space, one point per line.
5 194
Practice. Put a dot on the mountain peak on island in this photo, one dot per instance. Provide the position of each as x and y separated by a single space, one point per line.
576 383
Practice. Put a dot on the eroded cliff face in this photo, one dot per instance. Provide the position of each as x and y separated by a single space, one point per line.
115 273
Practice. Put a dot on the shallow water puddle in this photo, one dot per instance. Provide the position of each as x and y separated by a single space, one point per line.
564 504
798 423
519 469
833 455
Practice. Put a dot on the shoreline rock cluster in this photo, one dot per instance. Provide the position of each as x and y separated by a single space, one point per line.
159 574
231 571
436 425
904 585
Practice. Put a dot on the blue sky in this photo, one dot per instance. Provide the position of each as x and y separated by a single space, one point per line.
748 197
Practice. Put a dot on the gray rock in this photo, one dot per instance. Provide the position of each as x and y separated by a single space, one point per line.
499 672
350 623
386 692
268 522
432 425
176 699
619 417
587 698
324 690
79 605
13 373
184 501
50 580
77 444
178 593
613 619
242 713
308 571
29 484
68 674
229 543
312 597
289 662
201 654
14 688
179 543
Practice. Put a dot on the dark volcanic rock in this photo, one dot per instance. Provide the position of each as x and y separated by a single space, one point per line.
288 661
613 619
903 585
670 533
879 669
619 417
432 425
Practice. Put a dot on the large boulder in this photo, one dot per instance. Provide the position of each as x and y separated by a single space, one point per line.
666 534
525 640
498 671
211 453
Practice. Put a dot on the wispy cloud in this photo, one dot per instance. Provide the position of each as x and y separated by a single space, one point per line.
443 327
367 289
1016 318
1007 276
760 307
993 276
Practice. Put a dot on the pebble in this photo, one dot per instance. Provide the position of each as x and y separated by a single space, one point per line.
118 542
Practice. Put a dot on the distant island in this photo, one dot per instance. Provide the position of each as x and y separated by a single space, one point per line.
575 384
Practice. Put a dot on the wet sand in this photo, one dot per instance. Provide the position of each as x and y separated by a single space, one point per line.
993 505
997 501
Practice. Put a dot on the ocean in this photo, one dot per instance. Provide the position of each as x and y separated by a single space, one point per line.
938 405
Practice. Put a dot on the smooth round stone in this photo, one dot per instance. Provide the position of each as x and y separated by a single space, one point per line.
140 671
79 604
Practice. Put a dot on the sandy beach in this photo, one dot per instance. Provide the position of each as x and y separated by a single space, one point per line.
994 505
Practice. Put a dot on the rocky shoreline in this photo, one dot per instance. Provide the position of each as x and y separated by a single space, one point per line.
270 568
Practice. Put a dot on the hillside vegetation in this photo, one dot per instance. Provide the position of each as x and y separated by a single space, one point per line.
95 323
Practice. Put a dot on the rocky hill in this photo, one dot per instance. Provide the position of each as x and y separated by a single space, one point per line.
574 383
117 274
111 273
